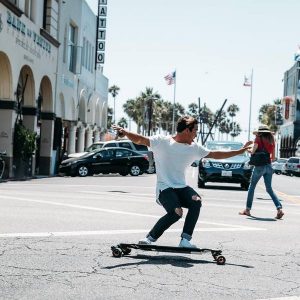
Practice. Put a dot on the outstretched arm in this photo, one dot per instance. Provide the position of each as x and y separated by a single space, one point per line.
134 137
226 154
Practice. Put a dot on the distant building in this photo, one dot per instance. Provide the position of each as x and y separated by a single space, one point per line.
48 79
82 91
290 130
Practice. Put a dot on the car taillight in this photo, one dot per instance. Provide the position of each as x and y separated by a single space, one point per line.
146 156
298 166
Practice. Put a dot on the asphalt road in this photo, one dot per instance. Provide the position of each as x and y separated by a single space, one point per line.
56 234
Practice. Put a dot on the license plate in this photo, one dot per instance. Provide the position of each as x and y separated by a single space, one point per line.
227 173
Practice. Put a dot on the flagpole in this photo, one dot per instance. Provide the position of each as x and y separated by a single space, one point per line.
174 93
250 108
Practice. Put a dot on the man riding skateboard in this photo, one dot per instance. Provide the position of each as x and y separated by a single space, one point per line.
173 155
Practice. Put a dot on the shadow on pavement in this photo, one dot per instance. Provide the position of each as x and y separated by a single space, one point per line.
176 261
261 219
222 187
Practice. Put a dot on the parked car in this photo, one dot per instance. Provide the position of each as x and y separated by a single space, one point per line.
292 166
235 169
109 160
124 143
279 166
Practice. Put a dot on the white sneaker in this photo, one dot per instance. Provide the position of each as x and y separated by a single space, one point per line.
145 241
184 243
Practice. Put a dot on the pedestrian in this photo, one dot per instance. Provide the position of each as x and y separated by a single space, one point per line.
264 140
173 155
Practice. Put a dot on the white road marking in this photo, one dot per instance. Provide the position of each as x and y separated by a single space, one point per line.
283 298
112 232
118 187
118 212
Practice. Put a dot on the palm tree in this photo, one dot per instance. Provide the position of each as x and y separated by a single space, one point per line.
235 129
148 97
193 110
267 114
114 91
225 127
123 122
134 108
232 110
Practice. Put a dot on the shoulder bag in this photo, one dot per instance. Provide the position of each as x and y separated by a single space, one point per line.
260 157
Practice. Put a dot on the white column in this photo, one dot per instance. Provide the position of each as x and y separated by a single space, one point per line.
89 137
72 138
80 140
96 135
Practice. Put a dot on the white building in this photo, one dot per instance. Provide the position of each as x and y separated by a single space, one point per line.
47 74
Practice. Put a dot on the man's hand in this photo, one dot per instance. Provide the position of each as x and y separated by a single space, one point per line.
120 130
248 146
134 137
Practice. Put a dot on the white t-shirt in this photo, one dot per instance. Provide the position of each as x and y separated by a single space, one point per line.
172 159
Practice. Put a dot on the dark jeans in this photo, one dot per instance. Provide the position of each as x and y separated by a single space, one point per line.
176 198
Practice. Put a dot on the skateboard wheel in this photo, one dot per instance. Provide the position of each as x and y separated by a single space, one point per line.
116 252
221 260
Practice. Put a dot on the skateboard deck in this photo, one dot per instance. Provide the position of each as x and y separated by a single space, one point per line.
125 249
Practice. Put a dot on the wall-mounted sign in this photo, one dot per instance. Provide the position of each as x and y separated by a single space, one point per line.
16 24
101 32
100 58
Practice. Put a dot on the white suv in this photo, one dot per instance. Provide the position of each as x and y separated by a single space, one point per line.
124 143
292 166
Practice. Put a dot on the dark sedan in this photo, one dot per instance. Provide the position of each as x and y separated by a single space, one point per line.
235 169
105 161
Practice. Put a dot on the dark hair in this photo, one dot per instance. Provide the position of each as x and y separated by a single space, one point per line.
186 122
268 136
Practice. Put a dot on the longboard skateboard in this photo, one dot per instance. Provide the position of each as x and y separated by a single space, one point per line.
125 249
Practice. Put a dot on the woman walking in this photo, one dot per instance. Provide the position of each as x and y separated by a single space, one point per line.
264 140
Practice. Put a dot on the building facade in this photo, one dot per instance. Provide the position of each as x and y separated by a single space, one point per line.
48 79
290 130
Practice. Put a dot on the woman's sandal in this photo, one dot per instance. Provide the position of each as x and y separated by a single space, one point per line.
245 213
279 215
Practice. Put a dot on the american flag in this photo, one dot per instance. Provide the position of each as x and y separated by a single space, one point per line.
247 81
170 78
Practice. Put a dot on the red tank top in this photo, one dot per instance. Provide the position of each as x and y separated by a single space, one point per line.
264 144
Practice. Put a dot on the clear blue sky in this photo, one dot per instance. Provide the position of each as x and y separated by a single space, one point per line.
212 44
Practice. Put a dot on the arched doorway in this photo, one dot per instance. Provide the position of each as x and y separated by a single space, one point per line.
7 113
24 164
45 128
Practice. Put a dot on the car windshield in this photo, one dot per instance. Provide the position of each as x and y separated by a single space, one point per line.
282 161
224 146
94 147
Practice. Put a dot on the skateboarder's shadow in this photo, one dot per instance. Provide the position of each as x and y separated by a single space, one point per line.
176 261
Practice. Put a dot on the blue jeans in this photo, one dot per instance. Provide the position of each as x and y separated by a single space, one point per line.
267 173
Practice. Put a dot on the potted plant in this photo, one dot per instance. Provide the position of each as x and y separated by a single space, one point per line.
24 147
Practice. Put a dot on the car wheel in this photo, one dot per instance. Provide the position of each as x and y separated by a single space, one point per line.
83 171
201 183
135 170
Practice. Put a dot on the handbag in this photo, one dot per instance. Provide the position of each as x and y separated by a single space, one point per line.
260 158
